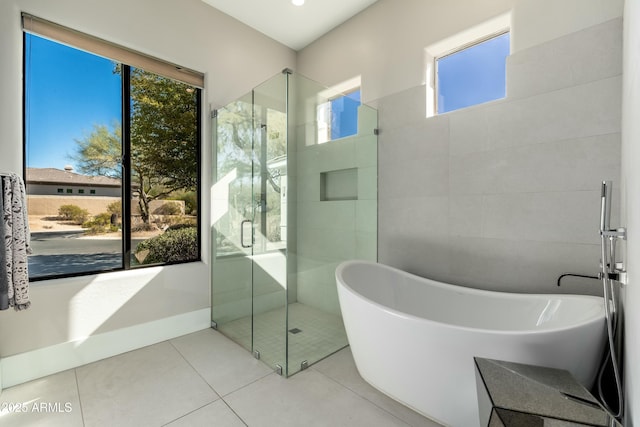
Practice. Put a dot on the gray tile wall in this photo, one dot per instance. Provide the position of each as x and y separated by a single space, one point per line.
332 231
505 195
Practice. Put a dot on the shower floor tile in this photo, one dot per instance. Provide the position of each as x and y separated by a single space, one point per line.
316 334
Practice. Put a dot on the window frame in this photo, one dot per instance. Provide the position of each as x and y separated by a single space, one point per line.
453 51
126 188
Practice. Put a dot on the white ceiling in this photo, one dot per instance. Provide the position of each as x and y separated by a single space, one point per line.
293 26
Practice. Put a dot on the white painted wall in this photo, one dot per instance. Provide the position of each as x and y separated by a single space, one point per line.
631 204
233 57
385 43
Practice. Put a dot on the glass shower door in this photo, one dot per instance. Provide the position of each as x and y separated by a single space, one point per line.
249 216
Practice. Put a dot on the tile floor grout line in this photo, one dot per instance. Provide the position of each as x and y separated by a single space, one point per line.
196 371
361 396
188 413
234 412
247 385
75 375
220 395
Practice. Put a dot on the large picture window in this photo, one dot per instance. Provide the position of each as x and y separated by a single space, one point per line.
112 157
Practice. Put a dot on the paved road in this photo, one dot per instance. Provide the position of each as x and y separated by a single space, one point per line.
66 252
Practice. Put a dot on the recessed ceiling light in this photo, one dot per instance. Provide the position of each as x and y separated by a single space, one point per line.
297 2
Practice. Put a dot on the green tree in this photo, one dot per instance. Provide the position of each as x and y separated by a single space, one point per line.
100 152
164 137
164 140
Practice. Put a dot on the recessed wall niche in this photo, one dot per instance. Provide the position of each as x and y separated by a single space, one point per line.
339 184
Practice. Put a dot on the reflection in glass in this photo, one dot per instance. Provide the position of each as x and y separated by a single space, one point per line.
164 169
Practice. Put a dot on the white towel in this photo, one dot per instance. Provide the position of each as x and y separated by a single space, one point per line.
17 240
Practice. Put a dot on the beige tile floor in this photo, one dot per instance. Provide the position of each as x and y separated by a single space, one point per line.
202 379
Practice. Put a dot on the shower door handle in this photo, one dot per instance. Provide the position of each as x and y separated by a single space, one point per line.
246 221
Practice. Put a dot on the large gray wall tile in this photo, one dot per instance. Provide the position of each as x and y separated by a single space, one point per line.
570 216
579 111
419 176
581 57
413 216
402 108
426 137
469 130
523 266
573 164
505 195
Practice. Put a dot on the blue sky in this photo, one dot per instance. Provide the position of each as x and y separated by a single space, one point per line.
68 92
473 75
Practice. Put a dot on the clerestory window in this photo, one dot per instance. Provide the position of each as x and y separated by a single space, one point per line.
472 75
338 117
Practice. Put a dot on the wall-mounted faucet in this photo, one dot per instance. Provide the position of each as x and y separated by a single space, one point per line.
576 275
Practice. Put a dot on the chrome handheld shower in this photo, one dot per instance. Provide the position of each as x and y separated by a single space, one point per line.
611 273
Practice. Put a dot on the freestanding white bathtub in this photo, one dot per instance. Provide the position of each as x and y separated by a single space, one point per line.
414 339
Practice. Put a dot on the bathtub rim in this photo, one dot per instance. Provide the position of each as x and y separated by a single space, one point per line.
342 283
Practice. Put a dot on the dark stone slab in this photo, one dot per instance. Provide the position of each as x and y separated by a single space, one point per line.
518 395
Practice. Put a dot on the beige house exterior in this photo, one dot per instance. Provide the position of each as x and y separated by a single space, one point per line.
56 182
49 188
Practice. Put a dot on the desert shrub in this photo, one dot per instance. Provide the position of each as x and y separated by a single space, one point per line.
170 246
191 202
169 208
144 226
190 199
101 223
73 213
181 225
115 208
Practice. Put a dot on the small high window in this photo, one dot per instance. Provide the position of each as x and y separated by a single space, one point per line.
472 75
338 117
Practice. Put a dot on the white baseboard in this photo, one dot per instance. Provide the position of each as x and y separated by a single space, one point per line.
45 361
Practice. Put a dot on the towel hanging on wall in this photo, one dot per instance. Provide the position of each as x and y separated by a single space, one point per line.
14 274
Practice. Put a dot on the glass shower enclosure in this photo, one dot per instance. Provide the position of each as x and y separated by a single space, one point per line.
295 194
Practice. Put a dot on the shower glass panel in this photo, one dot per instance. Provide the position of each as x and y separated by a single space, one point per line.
232 214
269 247
295 194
